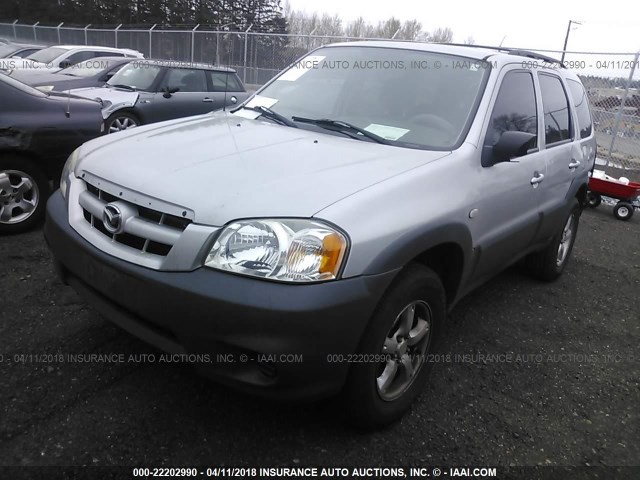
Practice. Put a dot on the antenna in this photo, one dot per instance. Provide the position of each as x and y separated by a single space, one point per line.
68 112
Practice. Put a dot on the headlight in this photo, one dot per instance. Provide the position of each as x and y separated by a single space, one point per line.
45 88
290 250
67 172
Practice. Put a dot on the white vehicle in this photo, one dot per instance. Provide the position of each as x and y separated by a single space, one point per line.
55 58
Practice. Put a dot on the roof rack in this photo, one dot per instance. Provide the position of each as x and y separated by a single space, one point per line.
488 47
512 51
537 56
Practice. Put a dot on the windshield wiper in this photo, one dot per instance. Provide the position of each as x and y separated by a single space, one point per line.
342 127
268 113
126 87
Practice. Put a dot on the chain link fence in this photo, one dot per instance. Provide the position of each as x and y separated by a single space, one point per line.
611 79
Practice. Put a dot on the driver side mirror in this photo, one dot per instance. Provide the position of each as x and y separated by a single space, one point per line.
168 91
512 144
65 64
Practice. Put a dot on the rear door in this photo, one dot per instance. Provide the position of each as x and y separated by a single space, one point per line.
507 216
221 82
192 97
565 159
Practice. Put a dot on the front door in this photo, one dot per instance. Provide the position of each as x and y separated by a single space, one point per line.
507 216
191 98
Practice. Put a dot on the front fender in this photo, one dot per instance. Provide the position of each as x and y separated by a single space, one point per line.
414 243
111 109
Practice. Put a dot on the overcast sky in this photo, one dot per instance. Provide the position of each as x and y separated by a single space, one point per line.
609 26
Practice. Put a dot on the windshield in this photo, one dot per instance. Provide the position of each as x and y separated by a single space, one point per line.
47 55
411 98
139 75
87 69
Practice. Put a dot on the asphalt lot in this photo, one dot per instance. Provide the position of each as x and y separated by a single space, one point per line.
570 394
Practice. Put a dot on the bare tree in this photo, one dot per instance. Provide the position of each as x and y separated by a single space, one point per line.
357 28
441 35
411 30
469 41
388 28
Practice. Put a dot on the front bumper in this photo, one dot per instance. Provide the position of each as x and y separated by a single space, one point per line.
250 330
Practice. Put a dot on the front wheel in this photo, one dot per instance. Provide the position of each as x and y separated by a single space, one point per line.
120 121
549 263
623 210
24 190
394 349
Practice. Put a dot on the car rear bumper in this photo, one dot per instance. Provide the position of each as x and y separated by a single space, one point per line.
278 340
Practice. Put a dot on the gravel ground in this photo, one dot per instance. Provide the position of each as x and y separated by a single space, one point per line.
569 395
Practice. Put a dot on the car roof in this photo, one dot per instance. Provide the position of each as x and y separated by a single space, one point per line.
111 59
95 47
477 52
25 45
185 64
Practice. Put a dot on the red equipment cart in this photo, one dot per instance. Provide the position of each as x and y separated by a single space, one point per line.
628 196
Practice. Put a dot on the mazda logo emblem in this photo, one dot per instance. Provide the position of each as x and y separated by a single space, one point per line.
112 218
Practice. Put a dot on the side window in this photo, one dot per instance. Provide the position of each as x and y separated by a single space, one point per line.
186 79
218 80
515 109
581 102
26 53
79 57
557 120
107 54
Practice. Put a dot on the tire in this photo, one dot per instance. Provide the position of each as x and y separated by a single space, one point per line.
547 265
374 396
593 200
623 210
120 121
24 190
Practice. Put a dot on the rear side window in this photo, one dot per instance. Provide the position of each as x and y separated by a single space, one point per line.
557 120
515 108
80 57
581 102
221 81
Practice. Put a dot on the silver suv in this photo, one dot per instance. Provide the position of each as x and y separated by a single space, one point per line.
311 241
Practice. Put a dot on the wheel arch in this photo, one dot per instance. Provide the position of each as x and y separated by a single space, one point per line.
49 168
446 250
129 110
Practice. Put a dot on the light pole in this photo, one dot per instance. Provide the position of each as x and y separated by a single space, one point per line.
566 38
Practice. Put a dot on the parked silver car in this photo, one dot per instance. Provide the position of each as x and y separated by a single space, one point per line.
312 241
55 58
148 91
90 73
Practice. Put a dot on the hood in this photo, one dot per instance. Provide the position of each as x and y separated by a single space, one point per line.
40 79
65 96
223 167
112 98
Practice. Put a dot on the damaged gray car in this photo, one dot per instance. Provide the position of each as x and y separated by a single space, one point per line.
38 131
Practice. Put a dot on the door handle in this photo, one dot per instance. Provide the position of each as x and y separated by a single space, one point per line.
574 164
537 179
207 100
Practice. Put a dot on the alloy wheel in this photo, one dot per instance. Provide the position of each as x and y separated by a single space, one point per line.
19 196
565 241
121 123
404 350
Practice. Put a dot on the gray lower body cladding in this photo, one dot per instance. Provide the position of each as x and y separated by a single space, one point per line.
286 341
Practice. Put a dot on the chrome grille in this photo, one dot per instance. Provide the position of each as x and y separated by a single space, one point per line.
144 229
